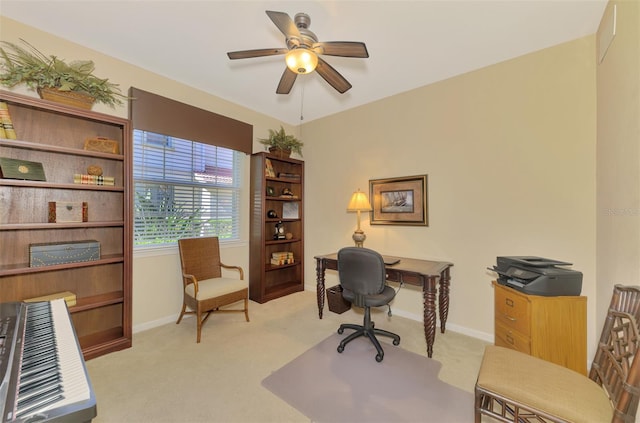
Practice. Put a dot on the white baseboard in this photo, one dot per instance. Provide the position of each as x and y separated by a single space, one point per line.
487 337
159 322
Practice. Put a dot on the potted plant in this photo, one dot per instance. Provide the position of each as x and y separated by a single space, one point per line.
73 83
282 144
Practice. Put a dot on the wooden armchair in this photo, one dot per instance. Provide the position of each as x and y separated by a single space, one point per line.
516 387
205 289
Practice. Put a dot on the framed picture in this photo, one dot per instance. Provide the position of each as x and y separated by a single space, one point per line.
399 201
290 210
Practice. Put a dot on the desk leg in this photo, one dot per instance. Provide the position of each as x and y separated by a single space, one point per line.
429 295
443 299
321 266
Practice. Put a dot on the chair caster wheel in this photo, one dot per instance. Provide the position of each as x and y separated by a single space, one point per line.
396 342
340 348
379 358
340 330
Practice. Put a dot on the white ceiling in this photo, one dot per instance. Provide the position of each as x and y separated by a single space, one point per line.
410 43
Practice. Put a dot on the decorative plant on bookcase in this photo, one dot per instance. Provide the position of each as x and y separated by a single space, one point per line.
282 144
71 83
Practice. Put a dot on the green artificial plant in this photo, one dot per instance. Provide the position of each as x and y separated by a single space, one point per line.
282 141
27 65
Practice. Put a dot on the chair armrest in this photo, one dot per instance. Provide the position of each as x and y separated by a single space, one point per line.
238 268
194 280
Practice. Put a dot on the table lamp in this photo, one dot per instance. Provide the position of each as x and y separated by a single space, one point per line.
357 204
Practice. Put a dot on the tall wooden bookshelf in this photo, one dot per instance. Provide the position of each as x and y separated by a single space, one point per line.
54 135
277 198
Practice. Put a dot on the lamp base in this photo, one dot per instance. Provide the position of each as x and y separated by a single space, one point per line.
359 237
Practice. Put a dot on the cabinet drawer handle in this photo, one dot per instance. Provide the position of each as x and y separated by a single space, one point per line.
509 302
509 339
509 318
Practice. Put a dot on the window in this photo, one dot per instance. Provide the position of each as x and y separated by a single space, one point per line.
184 189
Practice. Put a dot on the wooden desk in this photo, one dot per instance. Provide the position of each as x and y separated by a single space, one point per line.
410 271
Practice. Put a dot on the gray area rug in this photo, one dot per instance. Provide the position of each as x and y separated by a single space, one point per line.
352 387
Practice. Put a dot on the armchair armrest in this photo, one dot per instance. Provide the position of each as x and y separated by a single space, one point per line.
193 280
238 268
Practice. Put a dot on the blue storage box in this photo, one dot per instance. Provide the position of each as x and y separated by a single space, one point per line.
49 253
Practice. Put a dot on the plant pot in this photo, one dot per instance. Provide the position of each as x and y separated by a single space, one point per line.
69 98
283 154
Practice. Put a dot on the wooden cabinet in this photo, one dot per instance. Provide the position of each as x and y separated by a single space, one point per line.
551 328
54 135
277 198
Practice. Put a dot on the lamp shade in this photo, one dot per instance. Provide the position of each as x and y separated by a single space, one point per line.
301 60
359 202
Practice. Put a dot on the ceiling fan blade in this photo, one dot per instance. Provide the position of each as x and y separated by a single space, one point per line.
247 54
284 23
332 76
342 48
286 81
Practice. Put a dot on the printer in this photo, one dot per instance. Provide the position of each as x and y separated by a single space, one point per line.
538 276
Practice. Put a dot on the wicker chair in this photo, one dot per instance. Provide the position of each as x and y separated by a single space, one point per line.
205 289
516 387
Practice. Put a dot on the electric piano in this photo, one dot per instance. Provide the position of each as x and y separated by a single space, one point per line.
42 371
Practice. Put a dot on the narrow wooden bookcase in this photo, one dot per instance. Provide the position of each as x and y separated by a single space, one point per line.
54 135
277 186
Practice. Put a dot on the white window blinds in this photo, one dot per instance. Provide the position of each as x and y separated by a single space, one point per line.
184 189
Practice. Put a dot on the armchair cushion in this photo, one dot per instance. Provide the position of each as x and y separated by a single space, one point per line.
555 389
215 287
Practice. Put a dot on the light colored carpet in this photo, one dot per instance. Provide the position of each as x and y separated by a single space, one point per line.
167 377
352 387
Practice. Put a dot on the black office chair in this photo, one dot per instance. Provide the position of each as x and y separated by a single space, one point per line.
363 280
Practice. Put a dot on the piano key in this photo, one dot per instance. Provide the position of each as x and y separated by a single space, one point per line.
51 382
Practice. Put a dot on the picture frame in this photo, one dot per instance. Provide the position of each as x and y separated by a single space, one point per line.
399 201
290 210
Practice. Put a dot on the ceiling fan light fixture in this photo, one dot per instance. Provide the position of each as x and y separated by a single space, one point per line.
301 60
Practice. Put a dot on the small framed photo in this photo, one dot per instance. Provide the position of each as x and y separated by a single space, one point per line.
399 201
271 192
290 210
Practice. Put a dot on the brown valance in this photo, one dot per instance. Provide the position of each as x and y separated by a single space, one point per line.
154 113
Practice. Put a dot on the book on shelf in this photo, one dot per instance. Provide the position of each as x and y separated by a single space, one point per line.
80 178
282 261
268 168
279 258
286 175
5 123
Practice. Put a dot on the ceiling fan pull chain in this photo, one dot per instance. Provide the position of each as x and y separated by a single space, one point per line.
301 103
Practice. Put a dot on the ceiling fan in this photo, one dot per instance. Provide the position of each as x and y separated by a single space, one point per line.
303 50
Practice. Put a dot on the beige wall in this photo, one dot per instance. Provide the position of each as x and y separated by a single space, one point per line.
618 152
509 150
510 155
